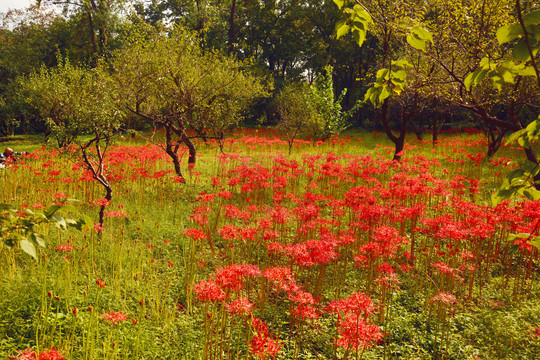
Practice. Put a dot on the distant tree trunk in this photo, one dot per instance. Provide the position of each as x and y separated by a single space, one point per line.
495 137
419 128
435 128
232 30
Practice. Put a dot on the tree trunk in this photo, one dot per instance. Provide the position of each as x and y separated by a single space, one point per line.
495 138
435 129
232 30
191 148
172 151
108 197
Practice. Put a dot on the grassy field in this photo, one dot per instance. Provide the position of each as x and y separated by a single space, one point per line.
332 252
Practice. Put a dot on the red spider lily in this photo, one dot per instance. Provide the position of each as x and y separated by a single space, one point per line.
358 304
302 297
101 202
304 311
232 212
241 306
263 345
114 317
101 283
228 232
356 333
444 268
115 214
209 291
29 354
65 247
196 234
232 277
444 298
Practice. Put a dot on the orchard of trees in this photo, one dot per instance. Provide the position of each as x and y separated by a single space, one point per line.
257 52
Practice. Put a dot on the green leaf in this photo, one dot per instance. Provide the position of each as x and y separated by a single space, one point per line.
508 33
532 18
339 3
531 194
69 208
368 94
520 52
38 239
416 42
59 222
515 136
506 75
423 34
400 74
474 78
513 237
529 167
535 242
402 63
383 74
359 36
385 93
524 142
342 28
528 71
28 247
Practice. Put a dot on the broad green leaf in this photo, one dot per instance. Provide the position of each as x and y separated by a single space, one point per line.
59 222
359 37
514 175
416 42
383 74
528 71
524 142
28 248
474 78
506 75
513 237
360 25
362 13
385 93
423 34
520 52
38 239
402 63
341 28
532 18
368 94
69 208
508 33
532 194
400 74
515 136
529 166
469 80
535 242
339 3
